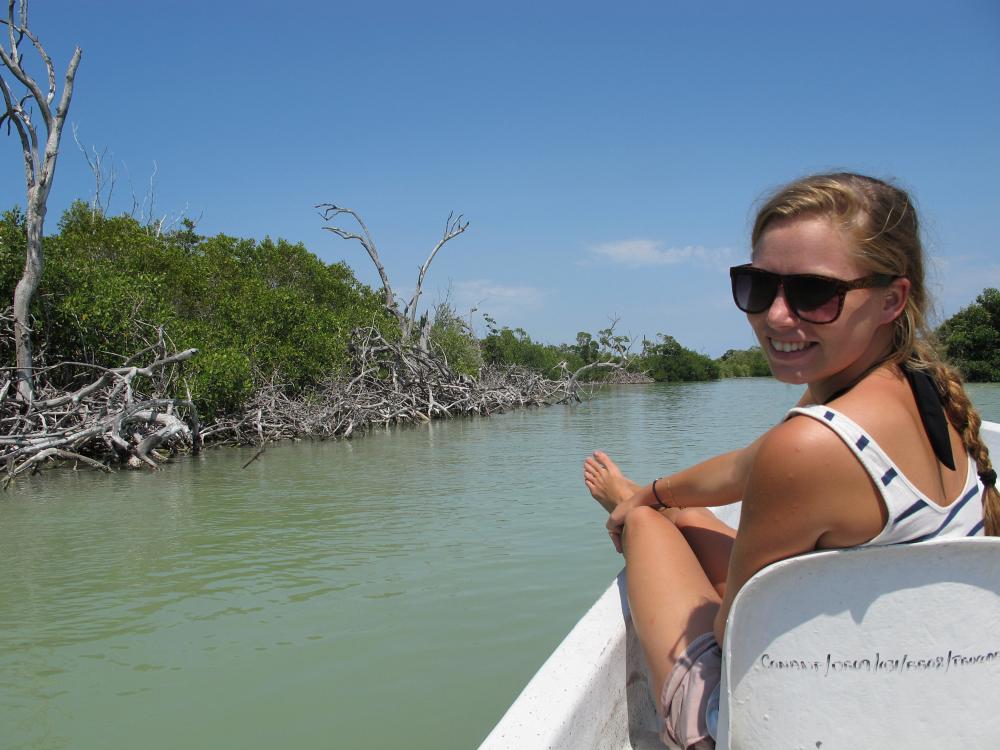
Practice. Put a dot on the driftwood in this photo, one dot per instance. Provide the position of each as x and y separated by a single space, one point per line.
119 415
389 383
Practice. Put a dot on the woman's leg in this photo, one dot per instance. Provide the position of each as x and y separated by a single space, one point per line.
671 599
709 538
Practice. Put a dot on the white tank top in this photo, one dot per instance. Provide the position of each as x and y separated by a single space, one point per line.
913 517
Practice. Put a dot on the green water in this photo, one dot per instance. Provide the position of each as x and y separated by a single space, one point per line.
397 590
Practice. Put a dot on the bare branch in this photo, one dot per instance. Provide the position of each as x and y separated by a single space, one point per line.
104 177
407 317
452 228
12 62
329 212
109 375
152 190
12 114
48 453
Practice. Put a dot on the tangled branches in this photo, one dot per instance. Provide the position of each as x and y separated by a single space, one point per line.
124 414
389 383
127 415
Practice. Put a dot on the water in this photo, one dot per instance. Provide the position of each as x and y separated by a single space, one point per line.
395 590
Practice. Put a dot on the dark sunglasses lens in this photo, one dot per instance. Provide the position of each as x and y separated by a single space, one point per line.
754 291
813 299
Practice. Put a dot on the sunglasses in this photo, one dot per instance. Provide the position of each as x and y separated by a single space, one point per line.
814 299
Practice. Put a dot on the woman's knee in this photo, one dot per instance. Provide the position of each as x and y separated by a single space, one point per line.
646 520
686 517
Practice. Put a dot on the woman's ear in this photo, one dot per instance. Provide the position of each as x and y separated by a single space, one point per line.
894 301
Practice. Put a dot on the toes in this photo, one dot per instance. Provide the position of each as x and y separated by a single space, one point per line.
605 460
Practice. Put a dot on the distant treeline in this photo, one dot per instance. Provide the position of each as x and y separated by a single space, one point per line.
970 339
663 359
266 312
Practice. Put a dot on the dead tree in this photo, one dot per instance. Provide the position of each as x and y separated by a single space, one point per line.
407 316
39 165
614 355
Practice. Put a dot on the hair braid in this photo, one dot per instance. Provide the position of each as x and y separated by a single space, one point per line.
965 418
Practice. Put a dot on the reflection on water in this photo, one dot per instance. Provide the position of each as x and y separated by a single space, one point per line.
396 589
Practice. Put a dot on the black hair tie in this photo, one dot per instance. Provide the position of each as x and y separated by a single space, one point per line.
989 478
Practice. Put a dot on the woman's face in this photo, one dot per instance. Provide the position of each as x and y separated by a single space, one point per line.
829 356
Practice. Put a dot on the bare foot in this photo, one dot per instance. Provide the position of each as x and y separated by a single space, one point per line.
606 482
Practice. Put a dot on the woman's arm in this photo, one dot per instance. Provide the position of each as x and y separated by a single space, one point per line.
718 481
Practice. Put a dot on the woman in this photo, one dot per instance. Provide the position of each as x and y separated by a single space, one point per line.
883 447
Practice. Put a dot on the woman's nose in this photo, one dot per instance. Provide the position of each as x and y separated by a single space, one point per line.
780 313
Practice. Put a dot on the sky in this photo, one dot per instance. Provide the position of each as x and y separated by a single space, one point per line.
608 156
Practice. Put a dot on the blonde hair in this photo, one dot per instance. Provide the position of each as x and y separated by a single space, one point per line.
882 222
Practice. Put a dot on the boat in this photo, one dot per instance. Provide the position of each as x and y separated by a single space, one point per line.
875 647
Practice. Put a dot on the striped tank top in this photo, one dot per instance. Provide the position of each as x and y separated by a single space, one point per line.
913 517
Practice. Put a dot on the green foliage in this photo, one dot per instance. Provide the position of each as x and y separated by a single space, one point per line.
13 245
743 363
668 360
223 379
586 348
255 310
971 338
513 346
452 338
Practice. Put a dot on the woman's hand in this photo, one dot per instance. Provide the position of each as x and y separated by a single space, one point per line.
616 519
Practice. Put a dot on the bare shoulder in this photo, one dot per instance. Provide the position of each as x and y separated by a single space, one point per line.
804 469
800 448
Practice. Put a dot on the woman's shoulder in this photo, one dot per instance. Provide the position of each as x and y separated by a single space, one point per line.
805 485
799 450
800 437
879 406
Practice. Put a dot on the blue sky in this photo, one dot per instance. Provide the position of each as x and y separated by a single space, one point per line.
607 155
